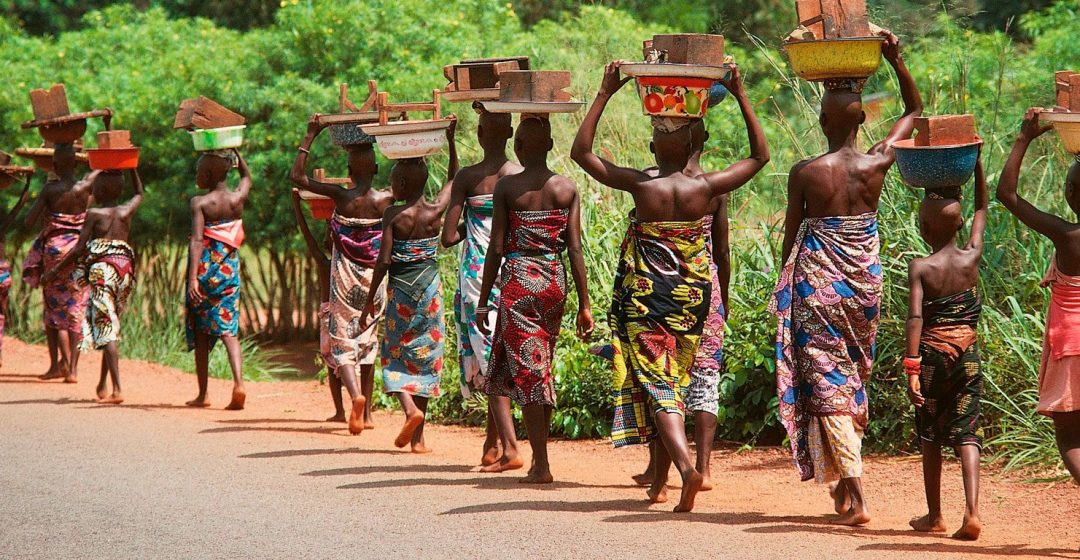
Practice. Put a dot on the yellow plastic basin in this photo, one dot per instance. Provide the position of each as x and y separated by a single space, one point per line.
1070 135
1067 126
815 61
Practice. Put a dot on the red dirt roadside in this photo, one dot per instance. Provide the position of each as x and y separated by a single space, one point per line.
152 478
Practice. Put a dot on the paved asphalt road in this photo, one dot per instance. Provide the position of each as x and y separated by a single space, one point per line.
80 480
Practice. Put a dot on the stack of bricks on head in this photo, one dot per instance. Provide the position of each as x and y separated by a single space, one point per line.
114 139
535 86
479 74
1068 91
690 48
834 19
945 130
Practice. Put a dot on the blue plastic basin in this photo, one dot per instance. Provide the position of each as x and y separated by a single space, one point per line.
936 167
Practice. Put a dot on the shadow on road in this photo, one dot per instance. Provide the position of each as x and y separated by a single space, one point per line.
25 378
231 429
724 518
560 506
144 407
286 453
928 543
971 549
276 421
62 400
482 483
347 471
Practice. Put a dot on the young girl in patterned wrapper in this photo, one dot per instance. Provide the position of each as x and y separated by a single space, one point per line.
945 381
414 333
106 267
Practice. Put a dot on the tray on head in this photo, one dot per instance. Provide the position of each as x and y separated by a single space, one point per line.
17 169
67 118
471 95
348 118
643 69
532 107
405 127
1059 117
47 152
308 195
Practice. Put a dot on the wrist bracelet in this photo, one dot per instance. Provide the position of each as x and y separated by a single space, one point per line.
303 149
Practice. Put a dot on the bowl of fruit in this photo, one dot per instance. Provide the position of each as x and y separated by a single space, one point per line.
674 97
675 90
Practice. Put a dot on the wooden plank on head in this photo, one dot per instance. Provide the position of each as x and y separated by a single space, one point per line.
205 113
372 101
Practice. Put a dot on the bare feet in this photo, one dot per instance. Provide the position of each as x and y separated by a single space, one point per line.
971 530
691 486
239 396
840 496
53 373
102 392
538 477
411 424
339 418
706 483
420 449
356 417
116 398
71 378
643 479
855 517
507 463
927 524
198 402
491 454
657 493
369 425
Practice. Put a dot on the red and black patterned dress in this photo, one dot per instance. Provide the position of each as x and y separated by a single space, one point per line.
532 298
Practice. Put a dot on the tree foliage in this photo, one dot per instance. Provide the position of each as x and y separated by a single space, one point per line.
143 62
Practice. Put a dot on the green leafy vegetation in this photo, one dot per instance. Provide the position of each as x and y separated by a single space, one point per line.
144 62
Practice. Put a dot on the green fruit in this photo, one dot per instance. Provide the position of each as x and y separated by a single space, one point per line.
693 104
